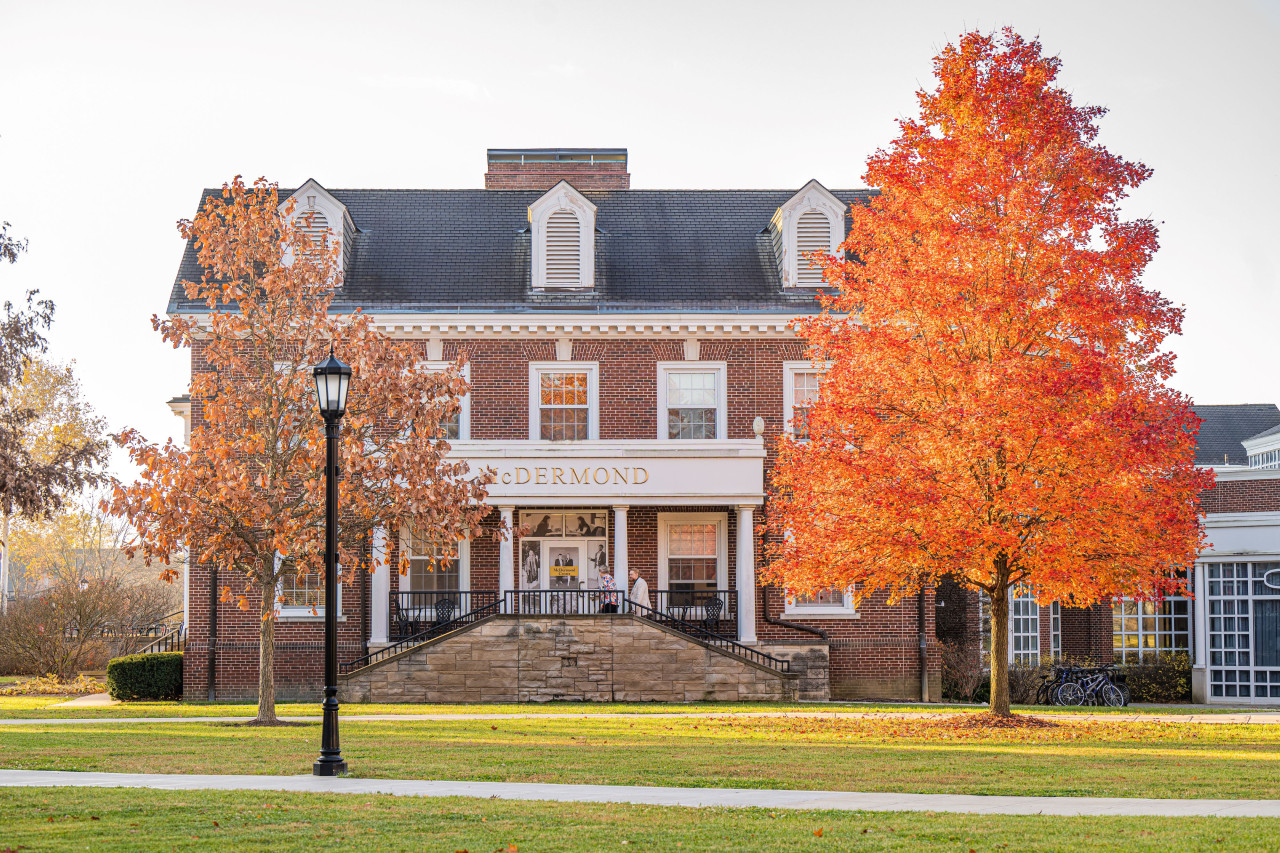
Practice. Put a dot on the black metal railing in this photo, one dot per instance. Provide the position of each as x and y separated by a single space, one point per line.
699 632
416 611
563 602
714 609
172 641
484 605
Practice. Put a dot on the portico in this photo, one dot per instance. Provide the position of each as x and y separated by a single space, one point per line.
573 511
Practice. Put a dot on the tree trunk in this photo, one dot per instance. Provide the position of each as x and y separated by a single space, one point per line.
266 661
1000 648
4 569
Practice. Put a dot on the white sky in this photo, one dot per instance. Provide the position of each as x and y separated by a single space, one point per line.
115 115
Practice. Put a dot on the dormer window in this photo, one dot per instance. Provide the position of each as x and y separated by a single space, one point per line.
563 223
811 221
324 219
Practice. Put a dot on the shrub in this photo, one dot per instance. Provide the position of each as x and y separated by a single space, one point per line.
1159 678
154 676
1024 680
51 685
962 672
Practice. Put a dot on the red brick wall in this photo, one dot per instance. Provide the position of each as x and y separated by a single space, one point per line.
1242 496
876 655
608 175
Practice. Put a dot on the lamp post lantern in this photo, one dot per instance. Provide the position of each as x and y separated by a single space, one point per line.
332 379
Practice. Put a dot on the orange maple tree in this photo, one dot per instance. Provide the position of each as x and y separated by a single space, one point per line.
994 405
247 497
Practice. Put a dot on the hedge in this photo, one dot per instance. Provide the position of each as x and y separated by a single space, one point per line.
154 676
1164 678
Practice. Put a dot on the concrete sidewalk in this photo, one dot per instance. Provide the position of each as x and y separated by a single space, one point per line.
1262 718
638 794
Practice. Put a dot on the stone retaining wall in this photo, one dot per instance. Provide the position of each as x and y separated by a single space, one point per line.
591 658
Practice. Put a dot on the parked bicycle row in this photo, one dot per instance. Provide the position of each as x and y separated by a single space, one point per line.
1076 685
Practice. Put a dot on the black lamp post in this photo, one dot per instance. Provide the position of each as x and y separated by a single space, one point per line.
332 378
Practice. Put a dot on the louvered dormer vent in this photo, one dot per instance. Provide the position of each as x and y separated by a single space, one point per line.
564 250
315 225
813 234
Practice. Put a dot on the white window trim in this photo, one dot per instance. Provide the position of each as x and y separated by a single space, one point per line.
464 558
1014 595
591 368
720 519
292 613
563 197
464 417
720 368
789 371
822 611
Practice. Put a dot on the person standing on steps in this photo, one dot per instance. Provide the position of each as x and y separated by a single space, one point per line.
639 589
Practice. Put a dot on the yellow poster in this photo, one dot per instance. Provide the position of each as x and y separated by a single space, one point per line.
564 571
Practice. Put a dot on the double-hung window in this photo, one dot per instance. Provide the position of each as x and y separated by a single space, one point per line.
830 602
692 549
433 566
455 427
799 392
300 595
691 400
562 401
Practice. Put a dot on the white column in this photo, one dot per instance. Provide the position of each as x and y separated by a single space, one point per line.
620 548
746 576
506 553
1200 636
380 584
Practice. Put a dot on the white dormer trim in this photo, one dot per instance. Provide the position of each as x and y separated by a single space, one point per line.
813 197
312 196
563 198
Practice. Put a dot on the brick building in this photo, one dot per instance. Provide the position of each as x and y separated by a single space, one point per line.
631 364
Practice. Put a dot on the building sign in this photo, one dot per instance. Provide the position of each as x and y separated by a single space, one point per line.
543 473
566 571
585 475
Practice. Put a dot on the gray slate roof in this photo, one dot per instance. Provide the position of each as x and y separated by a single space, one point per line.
468 251
1225 427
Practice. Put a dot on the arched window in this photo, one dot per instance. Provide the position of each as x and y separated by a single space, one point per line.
564 250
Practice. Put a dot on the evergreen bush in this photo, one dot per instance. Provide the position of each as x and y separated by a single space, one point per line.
152 676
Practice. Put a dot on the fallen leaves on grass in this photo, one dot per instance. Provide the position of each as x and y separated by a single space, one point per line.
984 728
51 685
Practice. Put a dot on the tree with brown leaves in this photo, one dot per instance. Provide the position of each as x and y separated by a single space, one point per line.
247 497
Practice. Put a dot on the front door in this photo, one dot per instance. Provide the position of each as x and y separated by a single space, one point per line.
564 564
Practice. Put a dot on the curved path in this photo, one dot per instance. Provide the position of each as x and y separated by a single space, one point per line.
638 794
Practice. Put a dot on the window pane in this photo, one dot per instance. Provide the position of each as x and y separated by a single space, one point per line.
564 425
301 590
691 423
823 598
691 389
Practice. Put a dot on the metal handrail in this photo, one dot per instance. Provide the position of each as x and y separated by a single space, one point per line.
698 632
437 630
413 611
165 642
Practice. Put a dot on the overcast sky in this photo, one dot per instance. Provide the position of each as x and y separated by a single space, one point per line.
113 116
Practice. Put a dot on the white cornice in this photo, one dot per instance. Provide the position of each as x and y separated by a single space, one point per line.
1242 519
541 325
1238 473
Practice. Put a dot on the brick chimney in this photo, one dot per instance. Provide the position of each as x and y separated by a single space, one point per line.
543 168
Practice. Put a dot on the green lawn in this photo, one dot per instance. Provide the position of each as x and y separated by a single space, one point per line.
915 755
141 820
14 707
